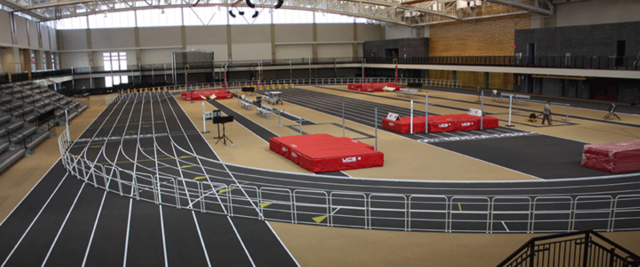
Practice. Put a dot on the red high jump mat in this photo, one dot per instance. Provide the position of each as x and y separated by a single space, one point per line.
440 123
612 157
372 87
206 94
325 153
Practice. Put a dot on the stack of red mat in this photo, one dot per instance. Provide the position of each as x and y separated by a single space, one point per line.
440 123
325 153
206 94
612 157
372 87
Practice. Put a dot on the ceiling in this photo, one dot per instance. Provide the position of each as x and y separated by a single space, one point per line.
412 13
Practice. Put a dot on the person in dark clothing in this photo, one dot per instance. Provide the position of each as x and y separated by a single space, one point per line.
546 114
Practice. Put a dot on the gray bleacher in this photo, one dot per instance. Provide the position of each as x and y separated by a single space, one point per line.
20 105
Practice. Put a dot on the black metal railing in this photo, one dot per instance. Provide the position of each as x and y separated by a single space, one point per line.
579 249
574 62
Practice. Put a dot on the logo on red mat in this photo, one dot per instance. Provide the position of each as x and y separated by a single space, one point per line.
391 124
443 125
349 160
284 149
467 123
294 155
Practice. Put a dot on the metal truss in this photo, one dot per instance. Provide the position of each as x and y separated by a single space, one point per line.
403 12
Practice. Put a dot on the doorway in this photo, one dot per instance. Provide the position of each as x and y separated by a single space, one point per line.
531 53
620 53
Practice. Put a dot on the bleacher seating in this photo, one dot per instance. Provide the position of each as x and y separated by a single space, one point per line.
20 105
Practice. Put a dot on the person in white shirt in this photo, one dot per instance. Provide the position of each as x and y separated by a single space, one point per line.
546 113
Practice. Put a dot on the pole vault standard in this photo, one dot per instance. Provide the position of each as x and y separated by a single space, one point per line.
481 110
411 122
375 118
510 102
343 125
204 120
426 113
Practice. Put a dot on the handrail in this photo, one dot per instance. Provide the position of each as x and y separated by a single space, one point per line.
586 233
151 179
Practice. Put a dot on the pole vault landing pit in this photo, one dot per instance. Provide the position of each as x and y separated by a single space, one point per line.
374 87
326 153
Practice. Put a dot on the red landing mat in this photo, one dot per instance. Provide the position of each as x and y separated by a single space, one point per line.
612 157
372 87
326 153
440 123
206 94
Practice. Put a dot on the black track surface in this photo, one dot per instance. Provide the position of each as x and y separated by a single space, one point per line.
150 134
542 156
127 231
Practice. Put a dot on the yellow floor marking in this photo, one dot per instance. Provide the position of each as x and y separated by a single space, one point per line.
231 188
132 131
319 219
187 166
146 125
264 204
199 177
96 146
459 207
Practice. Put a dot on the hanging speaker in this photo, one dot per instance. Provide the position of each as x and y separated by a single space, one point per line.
241 13
251 5
231 13
279 4
255 15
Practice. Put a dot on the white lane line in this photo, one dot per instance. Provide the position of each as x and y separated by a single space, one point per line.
204 247
334 212
25 196
34 220
164 239
505 226
126 242
241 243
63 224
281 243
95 226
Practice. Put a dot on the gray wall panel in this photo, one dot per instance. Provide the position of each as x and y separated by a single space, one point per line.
250 34
160 36
5 30
335 32
294 33
206 35
73 39
112 38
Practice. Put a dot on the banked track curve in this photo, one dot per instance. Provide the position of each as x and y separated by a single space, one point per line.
158 155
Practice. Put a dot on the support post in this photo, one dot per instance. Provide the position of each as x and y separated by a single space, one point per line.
300 126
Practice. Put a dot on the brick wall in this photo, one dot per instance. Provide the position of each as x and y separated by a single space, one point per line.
488 37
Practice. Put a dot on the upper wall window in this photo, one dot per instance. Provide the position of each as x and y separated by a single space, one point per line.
159 17
124 19
114 61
